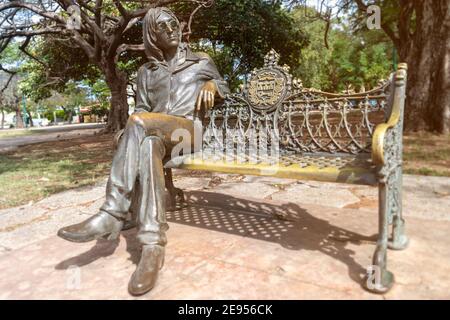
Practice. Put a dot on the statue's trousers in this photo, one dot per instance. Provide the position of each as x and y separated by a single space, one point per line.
137 173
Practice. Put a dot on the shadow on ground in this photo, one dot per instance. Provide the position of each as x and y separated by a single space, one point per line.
289 225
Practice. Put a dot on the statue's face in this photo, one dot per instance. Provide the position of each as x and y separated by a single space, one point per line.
168 32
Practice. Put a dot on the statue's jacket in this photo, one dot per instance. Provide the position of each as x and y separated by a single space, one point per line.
174 91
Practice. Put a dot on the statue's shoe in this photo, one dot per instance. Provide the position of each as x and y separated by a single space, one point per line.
146 274
100 226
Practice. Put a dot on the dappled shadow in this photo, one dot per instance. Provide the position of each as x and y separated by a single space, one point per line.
289 225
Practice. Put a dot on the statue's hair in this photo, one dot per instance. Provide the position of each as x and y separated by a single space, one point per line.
149 32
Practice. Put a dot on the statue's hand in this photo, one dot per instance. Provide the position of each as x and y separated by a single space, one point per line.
206 96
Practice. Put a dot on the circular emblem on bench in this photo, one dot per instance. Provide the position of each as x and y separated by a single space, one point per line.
266 89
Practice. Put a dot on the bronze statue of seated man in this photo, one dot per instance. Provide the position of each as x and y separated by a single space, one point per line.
171 87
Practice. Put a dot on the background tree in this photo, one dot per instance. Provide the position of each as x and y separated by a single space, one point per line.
100 93
9 77
237 34
351 59
55 66
97 27
9 99
76 96
218 32
420 31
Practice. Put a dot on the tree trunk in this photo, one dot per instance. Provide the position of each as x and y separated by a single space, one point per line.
118 112
3 118
428 58
70 116
19 119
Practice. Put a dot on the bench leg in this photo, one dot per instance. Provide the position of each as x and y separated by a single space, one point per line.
379 279
175 199
399 240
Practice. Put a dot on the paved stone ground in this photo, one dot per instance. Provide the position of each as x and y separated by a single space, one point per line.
241 238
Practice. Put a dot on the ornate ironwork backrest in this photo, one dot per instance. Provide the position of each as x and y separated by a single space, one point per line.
276 110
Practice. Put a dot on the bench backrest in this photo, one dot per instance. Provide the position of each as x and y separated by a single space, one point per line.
275 108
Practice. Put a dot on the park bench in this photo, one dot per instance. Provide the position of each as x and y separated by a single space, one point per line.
276 127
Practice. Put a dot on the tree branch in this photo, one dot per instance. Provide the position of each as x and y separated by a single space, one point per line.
205 4
120 7
11 76
23 47
33 8
29 33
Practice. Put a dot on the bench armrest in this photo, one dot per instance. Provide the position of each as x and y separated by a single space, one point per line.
379 144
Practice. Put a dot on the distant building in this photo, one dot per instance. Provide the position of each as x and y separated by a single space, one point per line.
87 115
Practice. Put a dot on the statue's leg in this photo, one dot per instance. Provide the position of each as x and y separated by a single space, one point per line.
174 200
151 202
151 216
124 170
399 239
175 196
109 221
163 126
131 221
151 198
151 205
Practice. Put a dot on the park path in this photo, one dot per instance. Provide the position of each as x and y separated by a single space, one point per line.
48 134
240 238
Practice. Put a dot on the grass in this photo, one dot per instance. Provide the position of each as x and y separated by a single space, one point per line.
37 171
427 154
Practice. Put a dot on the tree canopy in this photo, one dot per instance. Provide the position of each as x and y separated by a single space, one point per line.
331 49
352 60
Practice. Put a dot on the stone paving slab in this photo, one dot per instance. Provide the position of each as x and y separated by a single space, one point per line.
26 224
424 197
326 194
229 245
321 254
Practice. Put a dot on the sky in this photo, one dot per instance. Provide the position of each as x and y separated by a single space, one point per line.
316 3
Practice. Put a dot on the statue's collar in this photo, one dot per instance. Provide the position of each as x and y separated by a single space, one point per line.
185 59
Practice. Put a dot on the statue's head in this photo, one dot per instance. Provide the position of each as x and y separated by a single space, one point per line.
162 32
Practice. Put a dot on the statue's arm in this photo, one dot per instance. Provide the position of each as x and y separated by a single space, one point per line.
210 71
142 100
214 86
222 87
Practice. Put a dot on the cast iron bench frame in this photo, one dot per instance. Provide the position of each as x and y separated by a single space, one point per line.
317 138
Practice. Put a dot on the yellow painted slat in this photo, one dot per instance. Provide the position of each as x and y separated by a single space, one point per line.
353 175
